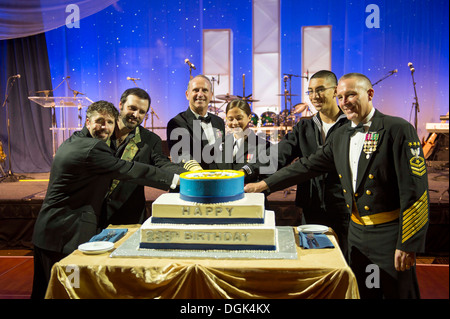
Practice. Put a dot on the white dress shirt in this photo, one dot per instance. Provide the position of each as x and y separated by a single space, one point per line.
207 128
356 146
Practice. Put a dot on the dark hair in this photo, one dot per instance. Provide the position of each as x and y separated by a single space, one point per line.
243 105
102 107
140 93
361 77
325 74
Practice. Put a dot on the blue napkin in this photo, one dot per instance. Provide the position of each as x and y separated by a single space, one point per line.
314 241
110 234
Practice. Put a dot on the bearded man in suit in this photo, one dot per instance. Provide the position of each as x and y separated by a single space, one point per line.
125 202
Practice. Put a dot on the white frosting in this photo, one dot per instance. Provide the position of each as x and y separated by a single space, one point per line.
170 205
233 235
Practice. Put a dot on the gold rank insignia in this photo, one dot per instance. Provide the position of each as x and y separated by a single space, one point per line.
417 163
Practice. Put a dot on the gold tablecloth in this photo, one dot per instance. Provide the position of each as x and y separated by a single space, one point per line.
316 273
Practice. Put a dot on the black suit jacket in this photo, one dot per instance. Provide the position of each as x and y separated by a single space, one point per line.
126 203
186 139
81 173
392 178
255 151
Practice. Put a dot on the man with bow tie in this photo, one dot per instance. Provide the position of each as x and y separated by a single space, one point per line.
190 131
385 187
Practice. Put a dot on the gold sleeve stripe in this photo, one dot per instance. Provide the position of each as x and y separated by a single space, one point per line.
415 217
193 165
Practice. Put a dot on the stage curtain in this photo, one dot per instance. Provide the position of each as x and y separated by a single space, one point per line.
30 138
28 17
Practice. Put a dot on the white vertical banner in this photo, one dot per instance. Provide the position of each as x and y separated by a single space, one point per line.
218 59
316 56
266 56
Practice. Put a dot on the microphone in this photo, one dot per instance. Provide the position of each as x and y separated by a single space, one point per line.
393 71
285 78
133 79
411 67
15 76
190 64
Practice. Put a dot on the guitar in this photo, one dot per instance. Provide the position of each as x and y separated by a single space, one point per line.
2 154
430 143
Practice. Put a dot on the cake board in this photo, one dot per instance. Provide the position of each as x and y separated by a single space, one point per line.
286 249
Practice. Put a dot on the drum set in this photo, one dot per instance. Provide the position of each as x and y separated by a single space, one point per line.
283 121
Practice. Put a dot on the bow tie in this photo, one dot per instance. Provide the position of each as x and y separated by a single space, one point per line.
206 119
357 128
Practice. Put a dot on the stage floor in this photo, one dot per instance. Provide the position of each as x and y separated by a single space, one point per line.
20 203
33 186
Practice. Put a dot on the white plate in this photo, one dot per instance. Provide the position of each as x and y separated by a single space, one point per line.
96 247
312 228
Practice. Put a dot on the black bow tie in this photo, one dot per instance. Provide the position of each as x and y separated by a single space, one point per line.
206 119
357 128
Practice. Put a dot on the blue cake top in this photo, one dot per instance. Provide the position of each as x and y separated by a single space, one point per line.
212 186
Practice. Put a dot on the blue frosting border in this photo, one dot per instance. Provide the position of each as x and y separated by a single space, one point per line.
205 246
206 221
211 199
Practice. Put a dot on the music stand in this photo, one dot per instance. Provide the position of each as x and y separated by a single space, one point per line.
61 101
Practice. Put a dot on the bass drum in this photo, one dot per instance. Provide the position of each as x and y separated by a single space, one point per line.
286 118
269 119
254 118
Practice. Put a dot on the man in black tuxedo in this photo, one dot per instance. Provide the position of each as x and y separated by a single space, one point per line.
380 163
190 131
81 174
125 202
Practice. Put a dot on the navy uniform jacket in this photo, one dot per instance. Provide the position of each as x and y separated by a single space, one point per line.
125 204
80 177
322 192
187 140
391 179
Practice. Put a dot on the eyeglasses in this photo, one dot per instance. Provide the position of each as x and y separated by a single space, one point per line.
318 91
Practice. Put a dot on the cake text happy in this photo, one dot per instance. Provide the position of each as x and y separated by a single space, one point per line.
207 211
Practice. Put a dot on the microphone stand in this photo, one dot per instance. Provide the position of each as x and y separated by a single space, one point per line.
9 177
416 103
383 78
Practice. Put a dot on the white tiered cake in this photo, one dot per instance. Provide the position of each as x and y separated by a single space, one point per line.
213 221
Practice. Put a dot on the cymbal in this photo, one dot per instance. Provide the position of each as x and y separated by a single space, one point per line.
250 100
227 97
214 109
300 107
287 94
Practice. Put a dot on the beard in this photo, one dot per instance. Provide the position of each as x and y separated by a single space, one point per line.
130 122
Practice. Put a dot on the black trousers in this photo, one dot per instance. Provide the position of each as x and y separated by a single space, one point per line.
43 263
371 250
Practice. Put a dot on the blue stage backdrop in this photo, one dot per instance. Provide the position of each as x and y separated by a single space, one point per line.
150 40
